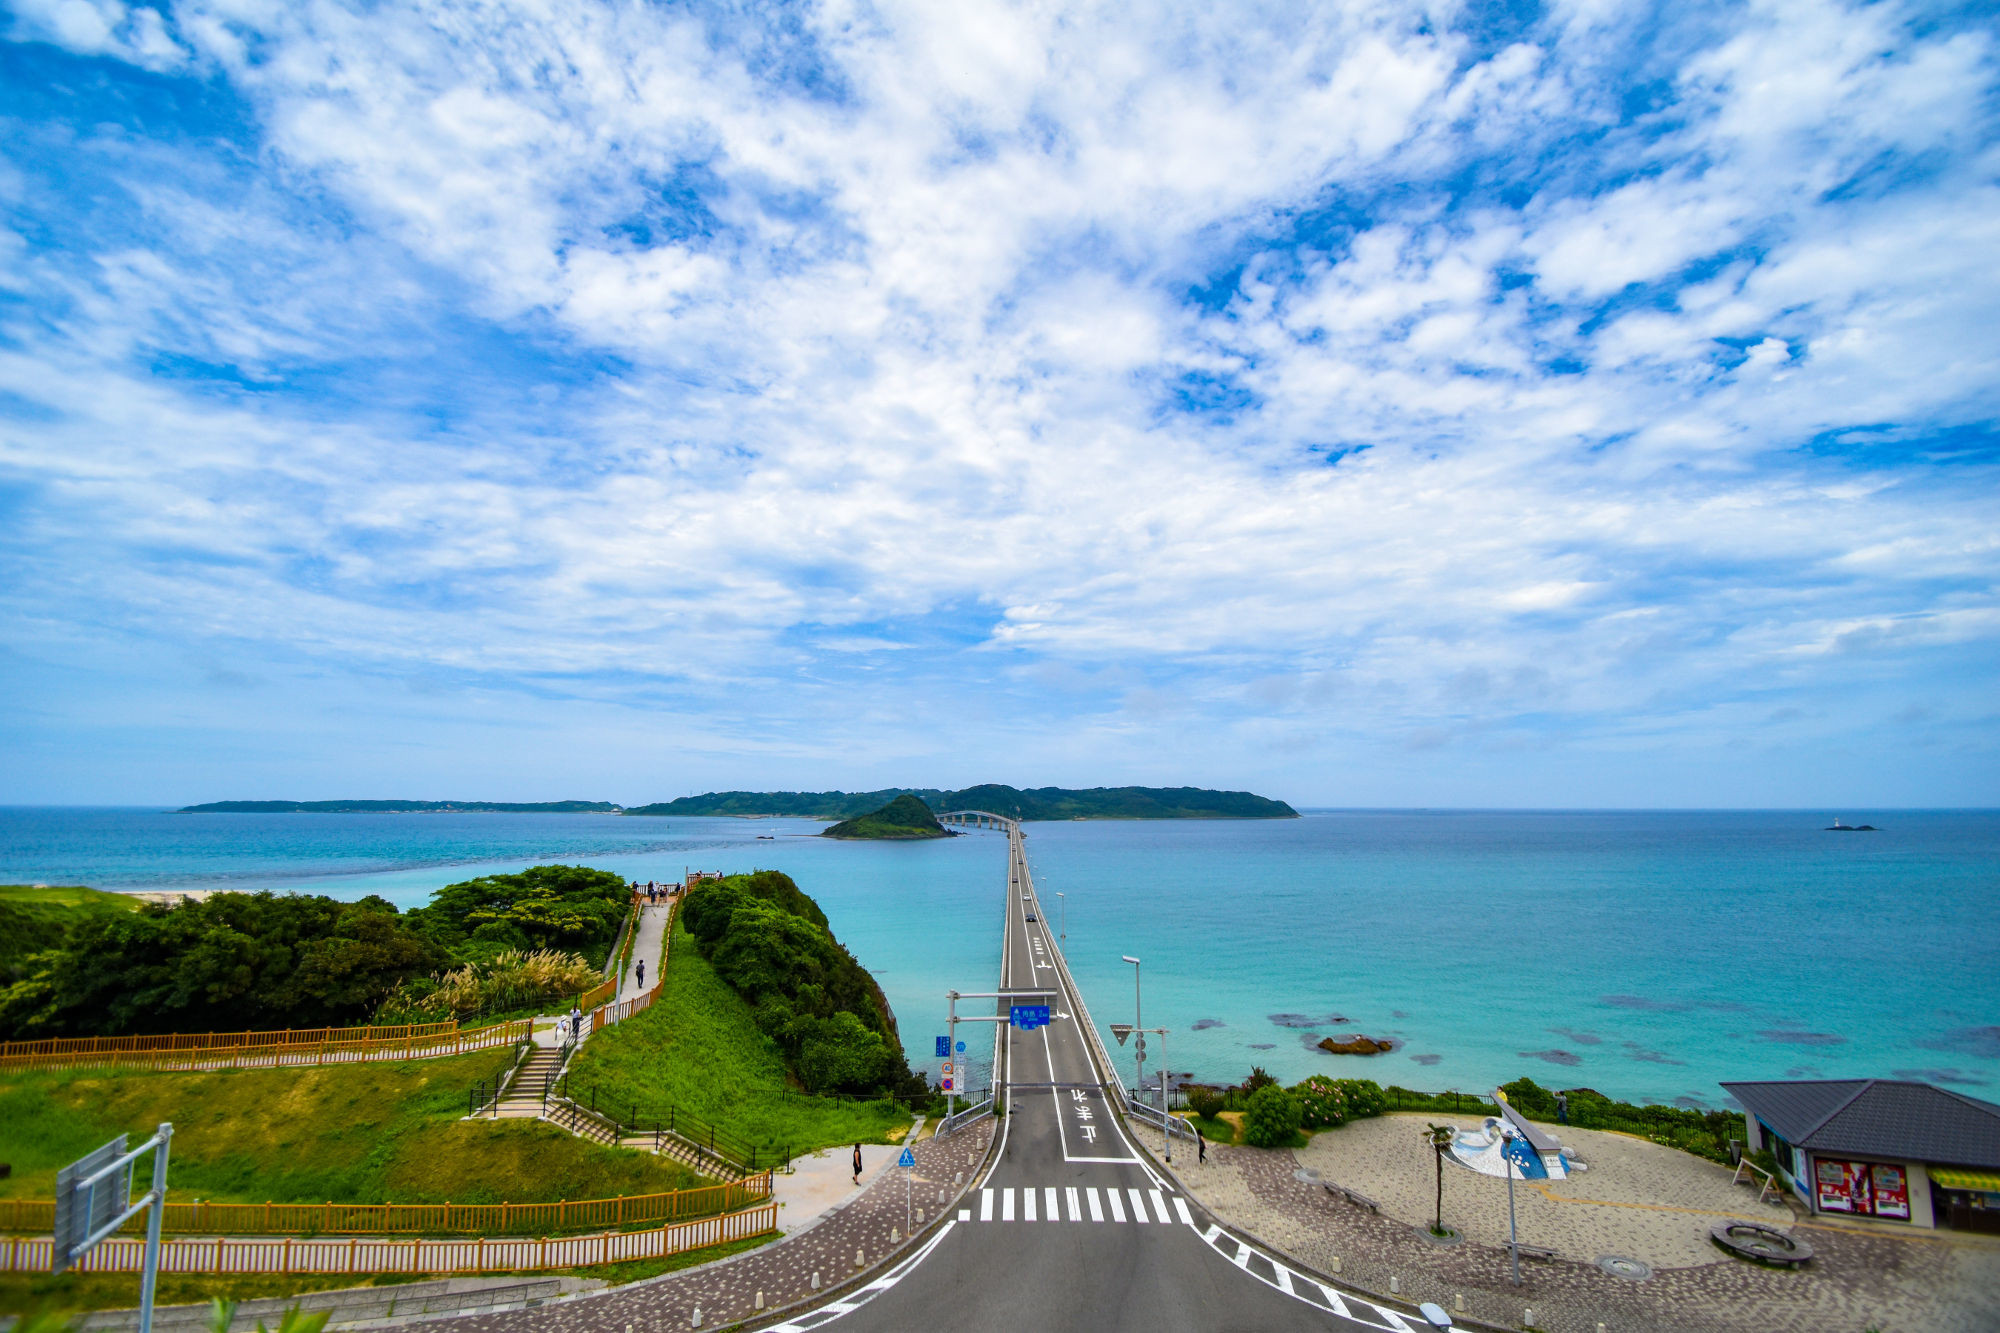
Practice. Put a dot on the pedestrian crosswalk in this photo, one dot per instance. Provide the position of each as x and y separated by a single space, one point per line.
1048 1203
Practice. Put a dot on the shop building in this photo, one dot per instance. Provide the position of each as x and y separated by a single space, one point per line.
1881 1148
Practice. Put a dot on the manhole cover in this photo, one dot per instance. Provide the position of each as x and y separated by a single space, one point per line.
1306 1174
1632 1270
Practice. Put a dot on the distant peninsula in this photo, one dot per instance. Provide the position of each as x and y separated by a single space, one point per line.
901 820
401 808
1037 803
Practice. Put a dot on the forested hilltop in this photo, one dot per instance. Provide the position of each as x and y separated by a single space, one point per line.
400 808
1031 804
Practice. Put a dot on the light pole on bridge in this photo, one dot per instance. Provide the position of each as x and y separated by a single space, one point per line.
1062 909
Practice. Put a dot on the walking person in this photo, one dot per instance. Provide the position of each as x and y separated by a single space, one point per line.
1201 1150
857 1164
642 974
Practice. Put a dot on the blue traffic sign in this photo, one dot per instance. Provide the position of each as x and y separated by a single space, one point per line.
961 1048
943 1047
1028 1017
907 1159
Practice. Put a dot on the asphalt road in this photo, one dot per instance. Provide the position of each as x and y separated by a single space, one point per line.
1071 1229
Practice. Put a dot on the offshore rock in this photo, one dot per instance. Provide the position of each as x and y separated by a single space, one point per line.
1357 1045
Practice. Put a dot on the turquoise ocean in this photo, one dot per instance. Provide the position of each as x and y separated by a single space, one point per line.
1648 955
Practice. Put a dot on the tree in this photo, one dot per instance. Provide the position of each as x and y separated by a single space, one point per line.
1272 1117
1439 1137
1204 1101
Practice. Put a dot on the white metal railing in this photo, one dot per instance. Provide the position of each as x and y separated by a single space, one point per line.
958 1120
1153 1116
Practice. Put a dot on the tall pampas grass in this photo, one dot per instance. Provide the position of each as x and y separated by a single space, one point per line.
513 980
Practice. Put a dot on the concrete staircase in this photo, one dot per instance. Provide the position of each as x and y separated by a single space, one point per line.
524 1096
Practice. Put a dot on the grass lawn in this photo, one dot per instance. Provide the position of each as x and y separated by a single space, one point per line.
354 1133
1227 1127
698 1051
23 1293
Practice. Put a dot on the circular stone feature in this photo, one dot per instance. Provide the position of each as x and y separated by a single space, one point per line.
1632 1270
1307 1175
1761 1244
1450 1237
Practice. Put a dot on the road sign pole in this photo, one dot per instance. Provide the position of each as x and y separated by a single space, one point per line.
151 1280
951 1027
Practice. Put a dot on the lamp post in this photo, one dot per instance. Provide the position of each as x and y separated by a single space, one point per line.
1513 1241
1138 1018
1062 910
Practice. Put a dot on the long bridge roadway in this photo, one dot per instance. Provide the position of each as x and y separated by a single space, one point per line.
1073 1227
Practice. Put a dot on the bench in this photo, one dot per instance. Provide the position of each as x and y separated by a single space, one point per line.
1536 1252
1355 1197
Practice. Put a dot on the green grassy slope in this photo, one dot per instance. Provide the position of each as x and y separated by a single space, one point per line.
698 1050
359 1133
36 917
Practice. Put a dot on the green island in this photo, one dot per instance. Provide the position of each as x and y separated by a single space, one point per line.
401 808
902 819
1038 803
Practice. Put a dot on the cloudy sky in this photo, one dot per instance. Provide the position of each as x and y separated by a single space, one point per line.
1364 404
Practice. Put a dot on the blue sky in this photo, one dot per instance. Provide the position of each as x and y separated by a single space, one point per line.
1377 404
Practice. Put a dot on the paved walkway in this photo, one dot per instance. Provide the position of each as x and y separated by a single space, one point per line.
1639 1201
650 946
726 1292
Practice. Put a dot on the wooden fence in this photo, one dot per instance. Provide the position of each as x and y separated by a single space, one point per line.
309 1047
201 1041
484 1254
419 1219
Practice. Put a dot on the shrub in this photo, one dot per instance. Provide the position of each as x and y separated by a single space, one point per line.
1322 1102
1204 1101
1272 1117
1364 1097
1258 1079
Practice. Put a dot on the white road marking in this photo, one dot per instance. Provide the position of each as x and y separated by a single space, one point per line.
986 1205
1180 1206
1242 1259
1096 1212
965 1214
1333 1301
1051 1212
1007 1204
1117 1205
826 1314
1284 1279
1138 1206
1075 1205
1160 1207
1028 1204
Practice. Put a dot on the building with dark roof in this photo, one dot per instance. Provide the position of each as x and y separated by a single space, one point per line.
1881 1148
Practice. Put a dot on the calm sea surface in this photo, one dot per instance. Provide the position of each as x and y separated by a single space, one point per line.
1648 955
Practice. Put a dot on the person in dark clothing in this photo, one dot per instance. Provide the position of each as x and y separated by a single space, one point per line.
1562 1108
857 1164
642 974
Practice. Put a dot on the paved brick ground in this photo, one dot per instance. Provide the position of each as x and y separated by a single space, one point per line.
726 1292
1897 1283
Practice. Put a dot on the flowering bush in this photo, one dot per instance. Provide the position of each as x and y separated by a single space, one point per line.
1321 1101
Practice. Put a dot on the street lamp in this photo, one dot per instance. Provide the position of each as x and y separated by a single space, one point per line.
1138 1018
1062 910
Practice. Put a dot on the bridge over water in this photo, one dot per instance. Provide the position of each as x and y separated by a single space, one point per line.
1079 1221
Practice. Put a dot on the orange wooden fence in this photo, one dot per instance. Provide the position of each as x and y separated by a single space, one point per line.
200 1041
262 1049
415 1219
484 1254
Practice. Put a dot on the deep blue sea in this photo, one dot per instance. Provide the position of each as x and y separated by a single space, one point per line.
1648 955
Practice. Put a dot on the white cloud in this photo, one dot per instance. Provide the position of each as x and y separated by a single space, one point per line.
910 355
